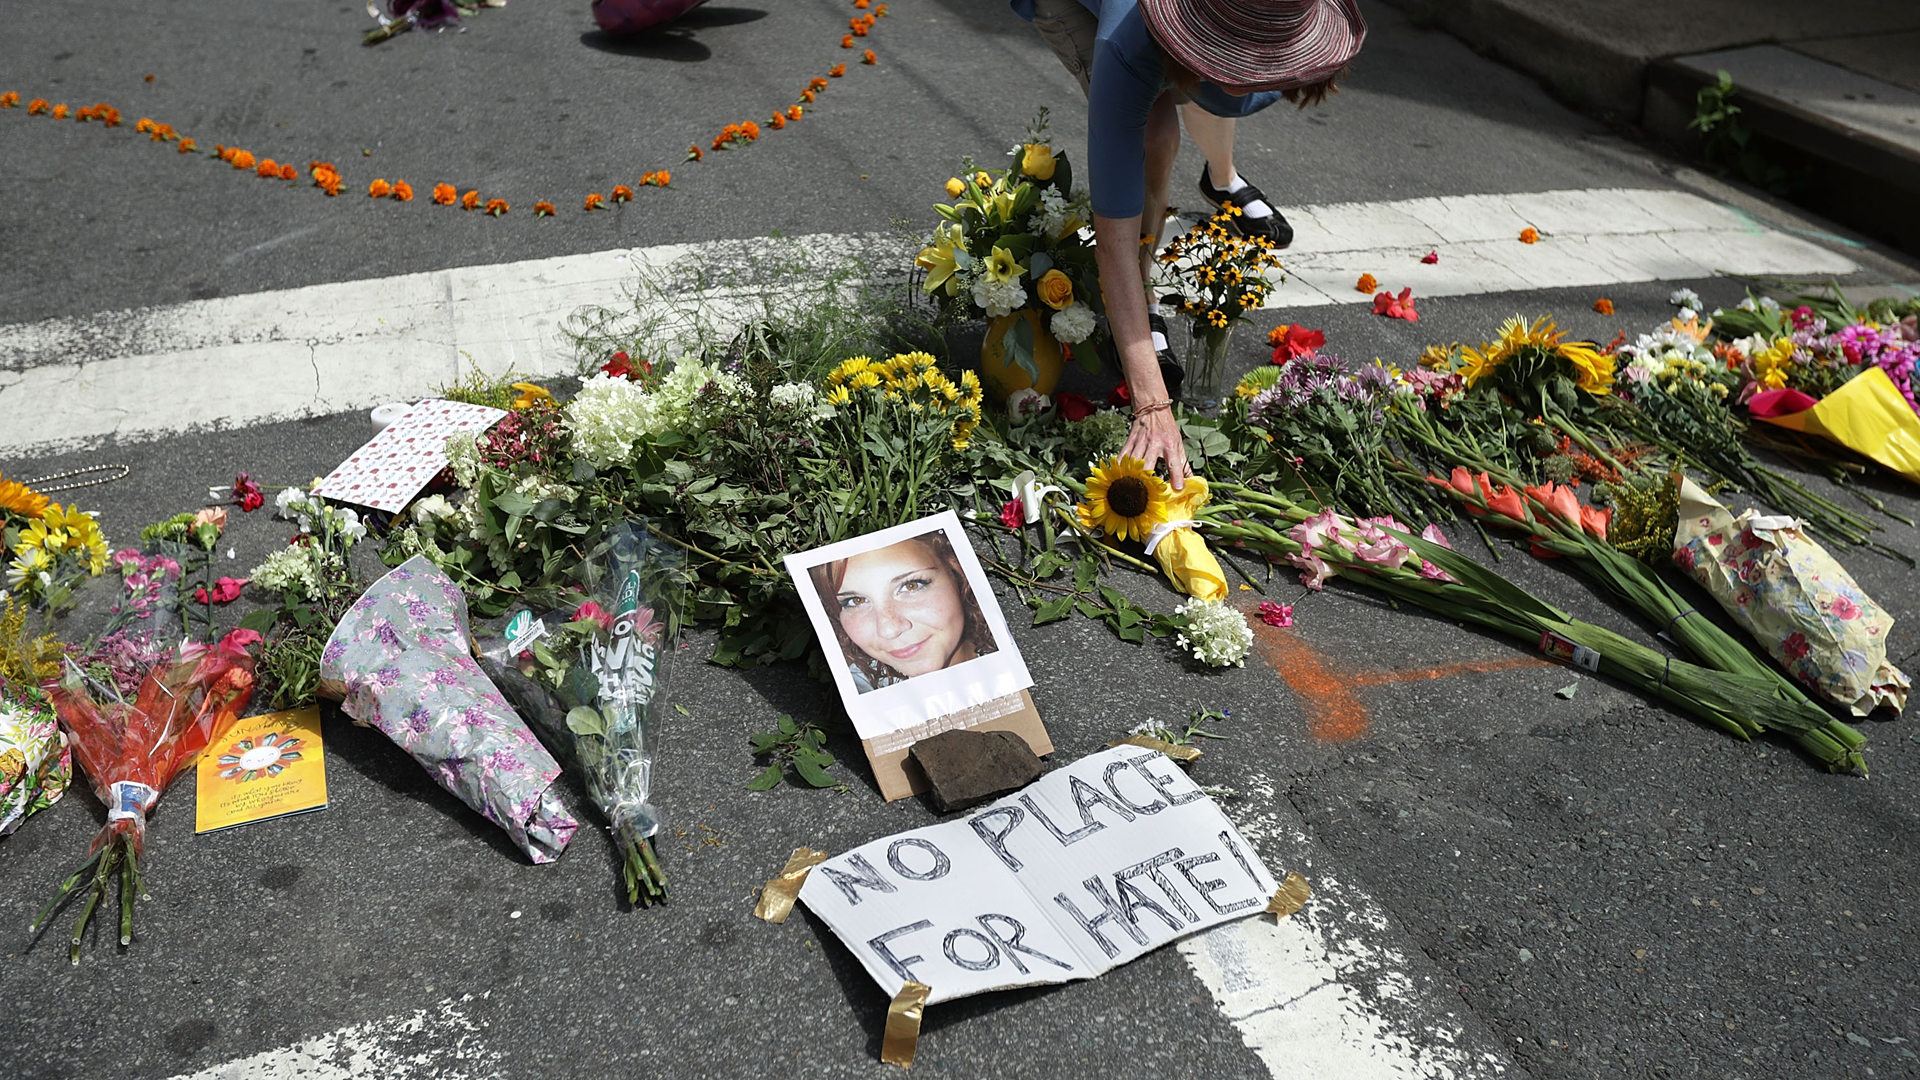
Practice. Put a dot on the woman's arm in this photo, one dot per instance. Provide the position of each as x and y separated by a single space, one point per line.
1155 436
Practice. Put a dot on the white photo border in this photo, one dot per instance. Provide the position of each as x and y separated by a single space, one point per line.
935 694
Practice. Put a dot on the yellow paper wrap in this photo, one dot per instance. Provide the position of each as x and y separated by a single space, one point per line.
1801 605
1182 554
1867 416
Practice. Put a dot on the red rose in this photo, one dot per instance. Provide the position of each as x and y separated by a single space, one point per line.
1073 407
1121 397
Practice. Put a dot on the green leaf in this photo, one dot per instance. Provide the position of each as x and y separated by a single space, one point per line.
1566 692
810 770
1053 611
1086 573
767 779
260 621
788 726
1039 265
764 744
513 503
585 720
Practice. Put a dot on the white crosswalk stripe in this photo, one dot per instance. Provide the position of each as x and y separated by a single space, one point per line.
329 348
437 1043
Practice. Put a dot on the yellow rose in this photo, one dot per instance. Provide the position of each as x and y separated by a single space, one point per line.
1056 289
955 188
1037 162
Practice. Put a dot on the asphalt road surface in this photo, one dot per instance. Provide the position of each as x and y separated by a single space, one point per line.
1506 882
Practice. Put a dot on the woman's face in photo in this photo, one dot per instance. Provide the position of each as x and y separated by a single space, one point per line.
901 605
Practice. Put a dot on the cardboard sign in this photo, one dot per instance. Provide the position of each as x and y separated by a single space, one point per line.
1090 867
916 640
405 456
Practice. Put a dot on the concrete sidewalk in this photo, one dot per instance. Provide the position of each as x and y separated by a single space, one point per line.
1830 93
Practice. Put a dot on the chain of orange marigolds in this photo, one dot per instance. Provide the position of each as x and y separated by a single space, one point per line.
328 179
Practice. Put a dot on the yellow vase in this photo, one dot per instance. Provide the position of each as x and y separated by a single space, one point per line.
1002 374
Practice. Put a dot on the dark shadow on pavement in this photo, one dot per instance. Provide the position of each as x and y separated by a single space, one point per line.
675 41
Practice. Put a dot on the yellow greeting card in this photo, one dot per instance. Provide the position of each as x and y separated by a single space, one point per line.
263 767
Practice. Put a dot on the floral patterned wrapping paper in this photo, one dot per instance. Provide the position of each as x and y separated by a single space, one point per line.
1800 604
402 656
36 764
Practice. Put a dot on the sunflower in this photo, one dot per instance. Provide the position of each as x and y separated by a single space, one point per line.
18 499
1592 371
1124 499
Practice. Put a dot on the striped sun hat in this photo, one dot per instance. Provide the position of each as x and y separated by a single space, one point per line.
1258 44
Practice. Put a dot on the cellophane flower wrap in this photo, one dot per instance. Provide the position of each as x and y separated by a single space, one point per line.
131 748
1801 605
593 679
401 658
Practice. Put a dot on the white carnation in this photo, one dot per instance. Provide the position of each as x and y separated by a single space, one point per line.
1217 634
1072 323
998 297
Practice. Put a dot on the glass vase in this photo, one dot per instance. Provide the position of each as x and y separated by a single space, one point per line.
1206 381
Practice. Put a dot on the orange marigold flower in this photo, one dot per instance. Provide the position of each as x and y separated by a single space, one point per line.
142 125
777 121
1603 305
108 113
288 172
663 178
837 70
859 28
596 201
242 159
36 106
861 4
817 83
1529 235
1366 284
379 189
750 130
149 78
846 42
496 207
160 132
187 146
444 194
470 200
222 152
622 193
880 11
869 58
9 99
59 112
694 153
541 209
793 112
269 168
403 191
807 96
83 114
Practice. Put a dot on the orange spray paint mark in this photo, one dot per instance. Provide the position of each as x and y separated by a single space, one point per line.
1334 713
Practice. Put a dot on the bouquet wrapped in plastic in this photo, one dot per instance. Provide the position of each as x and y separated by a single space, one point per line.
593 680
131 749
400 659
1802 606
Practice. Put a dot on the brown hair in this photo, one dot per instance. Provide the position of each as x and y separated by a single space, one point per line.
828 576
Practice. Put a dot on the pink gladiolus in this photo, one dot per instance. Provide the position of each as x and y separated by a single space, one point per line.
1432 535
1314 569
1433 573
1314 532
1276 614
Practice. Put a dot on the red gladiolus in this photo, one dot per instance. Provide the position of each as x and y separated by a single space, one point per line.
225 591
1596 521
1561 500
1505 501
1294 341
1073 407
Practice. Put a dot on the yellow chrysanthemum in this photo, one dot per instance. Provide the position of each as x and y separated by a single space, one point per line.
867 379
848 369
838 396
18 498
67 529
1124 499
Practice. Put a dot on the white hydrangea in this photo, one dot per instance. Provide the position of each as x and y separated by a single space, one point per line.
1072 323
463 454
288 570
998 297
1217 634
610 415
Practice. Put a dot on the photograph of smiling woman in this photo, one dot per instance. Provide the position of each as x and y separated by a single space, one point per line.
902 611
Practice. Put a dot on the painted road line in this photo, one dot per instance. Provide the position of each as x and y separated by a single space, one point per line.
436 1043
331 348
1329 991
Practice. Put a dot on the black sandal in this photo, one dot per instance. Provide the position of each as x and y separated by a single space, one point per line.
1273 227
1171 372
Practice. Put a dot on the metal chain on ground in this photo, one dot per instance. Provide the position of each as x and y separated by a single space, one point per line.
37 484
